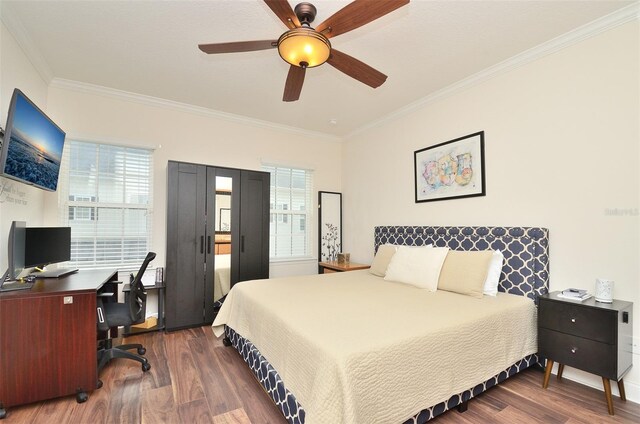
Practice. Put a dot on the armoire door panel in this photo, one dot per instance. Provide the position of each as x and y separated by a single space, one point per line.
212 291
254 226
185 245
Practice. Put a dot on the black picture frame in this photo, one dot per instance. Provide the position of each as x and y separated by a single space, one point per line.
329 225
224 223
450 170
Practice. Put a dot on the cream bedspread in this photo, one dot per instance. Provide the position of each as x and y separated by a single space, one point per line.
222 276
354 348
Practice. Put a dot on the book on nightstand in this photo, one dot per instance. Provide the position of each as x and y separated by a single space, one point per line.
575 294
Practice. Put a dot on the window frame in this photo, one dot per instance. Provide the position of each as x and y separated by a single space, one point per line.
284 213
130 176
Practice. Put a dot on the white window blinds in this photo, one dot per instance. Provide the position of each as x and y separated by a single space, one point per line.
106 197
291 212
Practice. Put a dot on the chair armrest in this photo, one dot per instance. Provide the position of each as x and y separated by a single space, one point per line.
101 318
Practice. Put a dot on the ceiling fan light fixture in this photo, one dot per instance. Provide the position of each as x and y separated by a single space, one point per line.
304 47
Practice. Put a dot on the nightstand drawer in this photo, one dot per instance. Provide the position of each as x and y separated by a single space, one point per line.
587 355
578 320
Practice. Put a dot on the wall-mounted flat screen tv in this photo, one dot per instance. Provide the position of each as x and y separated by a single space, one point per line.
32 145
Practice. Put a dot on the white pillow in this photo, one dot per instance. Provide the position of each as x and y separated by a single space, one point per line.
381 260
493 275
418 266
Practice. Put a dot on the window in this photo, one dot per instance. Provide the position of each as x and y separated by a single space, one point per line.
291 211
105 196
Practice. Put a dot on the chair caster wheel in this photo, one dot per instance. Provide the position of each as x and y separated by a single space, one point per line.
226 342
81 397
146 367
99 384
142 351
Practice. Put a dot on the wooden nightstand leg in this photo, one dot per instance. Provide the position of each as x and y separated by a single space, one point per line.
560 371
623 396
607 392
547 374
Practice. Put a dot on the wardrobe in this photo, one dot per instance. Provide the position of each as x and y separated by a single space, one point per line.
217 235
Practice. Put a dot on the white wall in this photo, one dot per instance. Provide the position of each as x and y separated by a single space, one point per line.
561 151
181 135
18 201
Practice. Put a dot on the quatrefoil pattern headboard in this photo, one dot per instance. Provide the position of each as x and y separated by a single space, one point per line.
525 271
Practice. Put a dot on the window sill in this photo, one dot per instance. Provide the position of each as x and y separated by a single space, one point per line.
288 260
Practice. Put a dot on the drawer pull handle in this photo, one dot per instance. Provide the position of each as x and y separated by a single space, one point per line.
573 320
574 350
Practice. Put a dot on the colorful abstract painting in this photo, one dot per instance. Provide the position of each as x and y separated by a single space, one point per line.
453 169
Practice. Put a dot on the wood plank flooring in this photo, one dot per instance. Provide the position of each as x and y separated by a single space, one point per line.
195 379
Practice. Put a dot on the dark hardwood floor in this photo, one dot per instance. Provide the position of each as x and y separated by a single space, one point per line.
195 379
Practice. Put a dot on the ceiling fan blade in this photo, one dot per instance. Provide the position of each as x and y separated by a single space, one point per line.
238 46
356 69
293 86
283 10
356 14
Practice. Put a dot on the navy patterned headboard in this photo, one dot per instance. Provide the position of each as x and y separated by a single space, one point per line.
525 271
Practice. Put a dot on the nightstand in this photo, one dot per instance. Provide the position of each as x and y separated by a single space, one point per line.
591 336
335 266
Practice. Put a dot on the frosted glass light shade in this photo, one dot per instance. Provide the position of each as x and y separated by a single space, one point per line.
304 47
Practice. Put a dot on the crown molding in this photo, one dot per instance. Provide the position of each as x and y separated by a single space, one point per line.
20 34
617 18
87 88
606 23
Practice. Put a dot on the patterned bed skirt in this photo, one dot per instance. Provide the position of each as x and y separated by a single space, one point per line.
294 412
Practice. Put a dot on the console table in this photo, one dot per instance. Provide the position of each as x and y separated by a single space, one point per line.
48 338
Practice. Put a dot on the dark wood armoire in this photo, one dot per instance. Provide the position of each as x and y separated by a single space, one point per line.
194 225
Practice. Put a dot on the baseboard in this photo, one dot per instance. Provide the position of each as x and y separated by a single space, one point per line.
632 389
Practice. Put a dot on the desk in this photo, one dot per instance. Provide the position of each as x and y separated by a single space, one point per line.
48 338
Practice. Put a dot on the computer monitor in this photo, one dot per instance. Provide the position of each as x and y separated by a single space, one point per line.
16 249
47 245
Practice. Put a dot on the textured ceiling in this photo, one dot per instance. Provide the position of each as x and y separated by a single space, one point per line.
150 48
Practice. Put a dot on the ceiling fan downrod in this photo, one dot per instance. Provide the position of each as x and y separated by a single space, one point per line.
306 13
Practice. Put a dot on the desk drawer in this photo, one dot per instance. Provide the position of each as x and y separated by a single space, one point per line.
587 355
578 320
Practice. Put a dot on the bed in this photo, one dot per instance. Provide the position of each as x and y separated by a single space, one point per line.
222 277
352 339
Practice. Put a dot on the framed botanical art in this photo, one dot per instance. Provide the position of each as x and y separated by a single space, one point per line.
329 225
450 170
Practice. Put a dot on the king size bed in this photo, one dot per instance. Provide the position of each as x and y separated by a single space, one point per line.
358 348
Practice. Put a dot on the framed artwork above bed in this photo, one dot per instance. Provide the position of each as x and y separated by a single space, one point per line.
450 170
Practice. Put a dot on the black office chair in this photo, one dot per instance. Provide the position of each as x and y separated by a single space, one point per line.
114 314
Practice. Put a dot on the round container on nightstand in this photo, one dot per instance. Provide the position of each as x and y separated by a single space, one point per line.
604 290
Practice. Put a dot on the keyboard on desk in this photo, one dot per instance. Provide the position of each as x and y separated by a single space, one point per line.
16 285
55 273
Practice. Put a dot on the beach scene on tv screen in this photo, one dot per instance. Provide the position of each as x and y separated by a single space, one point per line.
35 147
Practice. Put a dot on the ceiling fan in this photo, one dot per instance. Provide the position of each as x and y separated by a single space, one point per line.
305 47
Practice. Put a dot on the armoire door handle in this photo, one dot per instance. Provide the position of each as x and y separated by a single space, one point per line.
209 244
242 244
201 244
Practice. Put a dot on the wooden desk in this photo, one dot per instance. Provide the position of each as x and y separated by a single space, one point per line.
48 338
